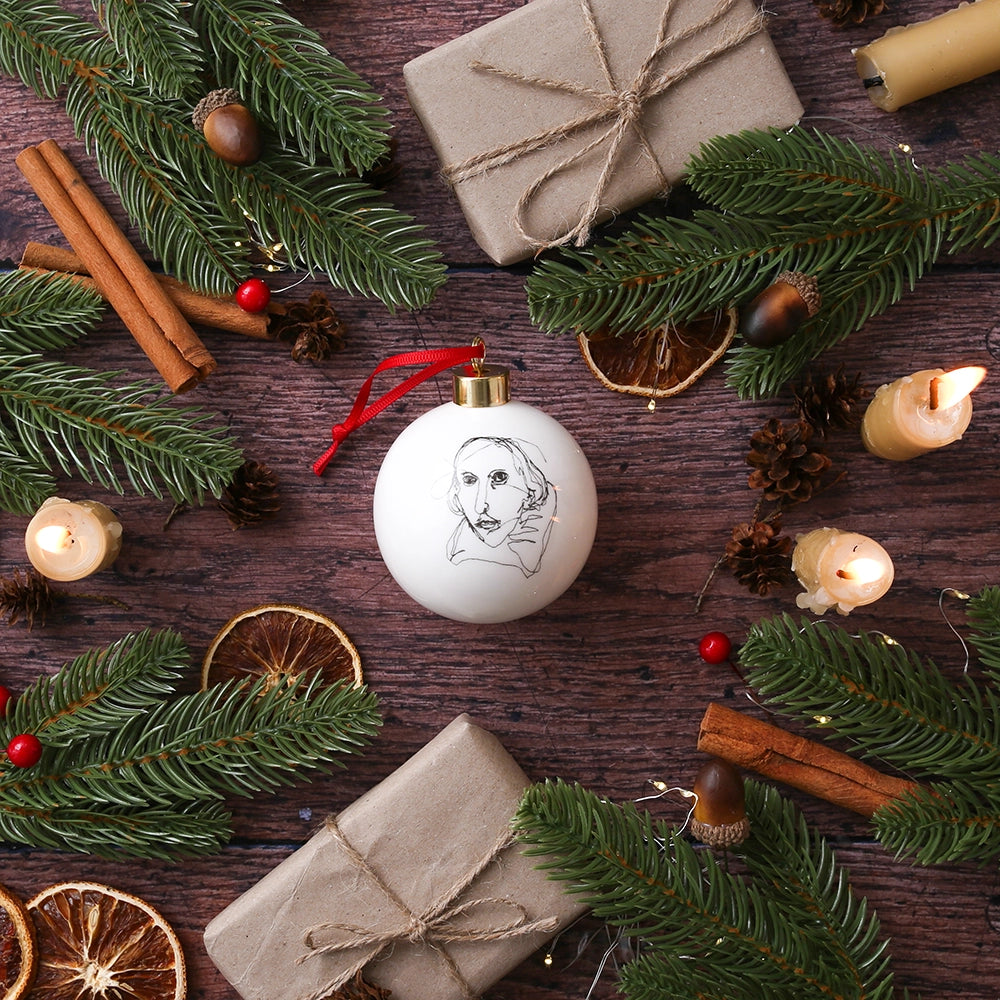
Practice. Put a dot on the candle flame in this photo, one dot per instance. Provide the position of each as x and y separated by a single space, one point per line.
54 538
954 386
862 571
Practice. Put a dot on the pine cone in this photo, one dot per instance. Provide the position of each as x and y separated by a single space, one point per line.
831 402
251 496
844 12
758 557
785 465
314 328
27 596
360 989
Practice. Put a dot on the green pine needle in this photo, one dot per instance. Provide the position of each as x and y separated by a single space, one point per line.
867 226
24 483
790 929
44 312
156 41
130 767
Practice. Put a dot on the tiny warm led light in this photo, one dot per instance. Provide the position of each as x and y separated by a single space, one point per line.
823 720
54 538
548 958
660 786
952 387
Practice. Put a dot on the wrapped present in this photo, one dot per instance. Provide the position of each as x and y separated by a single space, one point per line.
417 884
564 112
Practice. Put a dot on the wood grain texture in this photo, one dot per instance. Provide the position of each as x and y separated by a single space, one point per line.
605 685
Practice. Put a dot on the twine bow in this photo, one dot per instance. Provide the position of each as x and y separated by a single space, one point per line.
435 927
621 106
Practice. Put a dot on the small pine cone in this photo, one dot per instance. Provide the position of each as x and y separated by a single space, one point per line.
360 989
785 465
251 496
830 402
844 12
759 557
27 596
314 328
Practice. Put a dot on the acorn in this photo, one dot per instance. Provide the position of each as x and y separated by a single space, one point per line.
229 128
720 815
774 315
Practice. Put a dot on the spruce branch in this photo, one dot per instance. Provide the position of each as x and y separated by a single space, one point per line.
25 484
44 312
791 928
156 41
867 226
79 420
122 748
315 102
181 197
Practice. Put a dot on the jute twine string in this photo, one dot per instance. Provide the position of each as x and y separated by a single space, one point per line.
435 927
620 105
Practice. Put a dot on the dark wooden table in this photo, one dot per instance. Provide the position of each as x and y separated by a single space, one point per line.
604 686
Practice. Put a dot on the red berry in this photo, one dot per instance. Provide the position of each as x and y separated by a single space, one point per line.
5 696
253 295
715 647
24 750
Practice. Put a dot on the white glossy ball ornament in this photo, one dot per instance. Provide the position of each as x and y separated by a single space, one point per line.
485 509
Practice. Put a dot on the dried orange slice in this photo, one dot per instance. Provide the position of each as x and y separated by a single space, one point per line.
18 950
662 361
280 642
99 943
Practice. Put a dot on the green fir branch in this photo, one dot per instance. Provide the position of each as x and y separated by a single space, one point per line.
180 195
153 832
81 421
866 225
99 691
44 311
25 484
122 750
790 929
892 705
156 41
279 66
983 610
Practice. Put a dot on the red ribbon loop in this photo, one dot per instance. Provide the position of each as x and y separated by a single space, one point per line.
434 363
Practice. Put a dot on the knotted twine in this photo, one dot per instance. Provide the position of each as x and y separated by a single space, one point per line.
435 927
621 106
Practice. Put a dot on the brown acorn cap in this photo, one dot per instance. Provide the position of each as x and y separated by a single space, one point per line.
212 101
721 836
806 285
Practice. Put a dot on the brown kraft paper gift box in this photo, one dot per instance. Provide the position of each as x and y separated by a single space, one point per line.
396 861
539 140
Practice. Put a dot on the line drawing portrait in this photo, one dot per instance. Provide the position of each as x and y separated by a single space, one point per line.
507 506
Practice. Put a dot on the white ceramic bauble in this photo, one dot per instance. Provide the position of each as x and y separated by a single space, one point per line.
485 513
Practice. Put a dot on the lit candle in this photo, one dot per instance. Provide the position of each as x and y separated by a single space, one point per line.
908 63
920 412
68 540
840 569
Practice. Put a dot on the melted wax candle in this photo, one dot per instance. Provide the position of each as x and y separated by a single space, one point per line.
920 412
908 63
68 541
840 569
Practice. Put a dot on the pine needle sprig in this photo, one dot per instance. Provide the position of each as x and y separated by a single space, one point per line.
153 832
44 312
32 36
891 704
868 226
983 610
80 420
120 748
99 691
314 101
790 929
25 484
156 41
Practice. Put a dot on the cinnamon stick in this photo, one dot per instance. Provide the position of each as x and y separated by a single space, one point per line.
174 326
208 310
804 764
179 374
